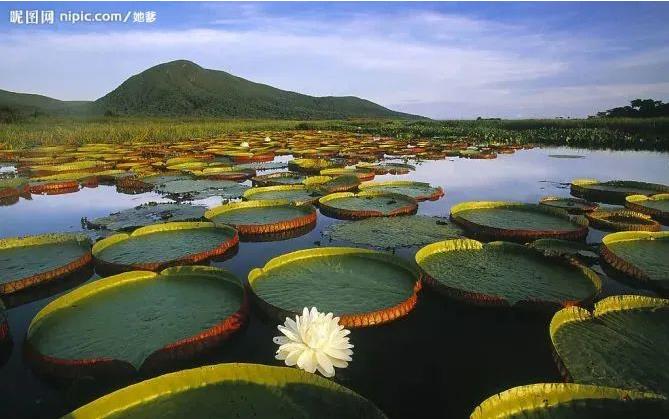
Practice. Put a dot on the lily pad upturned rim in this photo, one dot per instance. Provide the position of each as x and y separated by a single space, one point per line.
537 397
248 194
438 193
519 235
270 178
185 380
13 187
589 206
308 217
611 304
583 188
42 277
332 211
619 264
636 203
363 175
637 221
158 228
349 320
101 223
184 348
489 300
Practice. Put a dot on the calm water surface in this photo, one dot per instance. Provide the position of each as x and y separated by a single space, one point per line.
441 360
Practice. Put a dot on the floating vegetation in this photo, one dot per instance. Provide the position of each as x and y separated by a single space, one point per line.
420 191
297 194
570 400
505 274
387 233
158 246
639 255
614 191
571 205
657 206
565 248
310 166
327 184
622 220
362 287
233 390
259 217
233 173
33 260
278 178
147 214
622 343
270 165
12 188
515 221
566 156
363 175
136 320
348 205
387 168
188 190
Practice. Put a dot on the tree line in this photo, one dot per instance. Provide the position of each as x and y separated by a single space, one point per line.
638 108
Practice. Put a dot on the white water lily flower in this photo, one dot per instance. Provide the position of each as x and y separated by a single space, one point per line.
314 342
245 144
268 140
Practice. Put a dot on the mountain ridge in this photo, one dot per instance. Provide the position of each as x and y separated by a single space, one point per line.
183 88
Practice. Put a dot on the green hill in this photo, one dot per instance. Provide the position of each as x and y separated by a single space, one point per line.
183 88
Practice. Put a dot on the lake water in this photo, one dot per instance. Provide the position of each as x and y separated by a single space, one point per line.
441 360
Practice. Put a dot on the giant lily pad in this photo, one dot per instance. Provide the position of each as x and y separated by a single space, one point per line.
622 343
146 214
263 217
565 248
614 191
363 287
311 166
201 189
157 246
232 391
571 205
31 260
622 220
363 175
278 178
515 221
366 204
420 191
297 194
413 230
569 400
504 274
136 320
639 255
387 168
328 184
657 206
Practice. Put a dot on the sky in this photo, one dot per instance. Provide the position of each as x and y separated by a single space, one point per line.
441 60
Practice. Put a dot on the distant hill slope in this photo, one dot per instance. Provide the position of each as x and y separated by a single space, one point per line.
183 88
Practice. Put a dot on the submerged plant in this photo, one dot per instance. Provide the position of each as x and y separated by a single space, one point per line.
314 342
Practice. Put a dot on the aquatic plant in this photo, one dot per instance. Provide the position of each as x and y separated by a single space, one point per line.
314 342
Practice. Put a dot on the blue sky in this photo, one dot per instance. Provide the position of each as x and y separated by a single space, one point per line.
443 60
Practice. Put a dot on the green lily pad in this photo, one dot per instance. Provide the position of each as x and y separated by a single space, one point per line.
639 254
657 206
413 230
557 247
201 189
366 204
622 220
363 287
159 245
517 221
260 217
420 191
571 205
146 214
130 316
387 168
569 400
614 191
278 178
297 194
232 391
327 184
28 261
502 273
270 165
622 343
313 166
